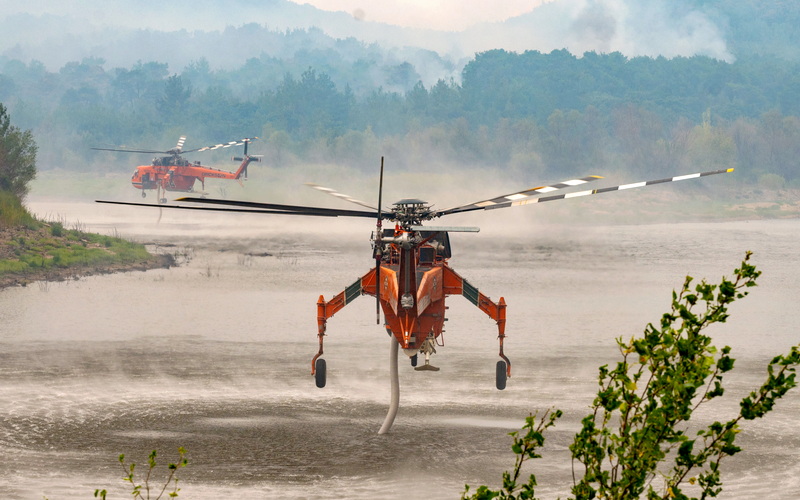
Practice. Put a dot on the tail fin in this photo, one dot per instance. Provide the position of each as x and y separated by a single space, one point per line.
246 160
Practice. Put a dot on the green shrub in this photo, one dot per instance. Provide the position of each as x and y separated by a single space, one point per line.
635 441
57 229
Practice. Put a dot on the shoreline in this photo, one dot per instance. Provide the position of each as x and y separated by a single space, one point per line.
43 242
9 280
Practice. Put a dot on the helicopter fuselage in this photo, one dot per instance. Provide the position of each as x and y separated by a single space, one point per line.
412 285
175 173
178 174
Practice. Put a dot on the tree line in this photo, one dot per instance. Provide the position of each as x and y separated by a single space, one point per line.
17 158
544 114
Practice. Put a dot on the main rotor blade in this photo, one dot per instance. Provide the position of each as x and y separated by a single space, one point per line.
504 200
240 142
621 187
150 151
219 209
294 209
341 196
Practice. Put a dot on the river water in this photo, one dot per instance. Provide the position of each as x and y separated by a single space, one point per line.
214 355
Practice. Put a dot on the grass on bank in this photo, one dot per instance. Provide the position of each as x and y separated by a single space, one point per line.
30 245
13 214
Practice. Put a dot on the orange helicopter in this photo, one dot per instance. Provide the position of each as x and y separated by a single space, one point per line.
175 173
412 276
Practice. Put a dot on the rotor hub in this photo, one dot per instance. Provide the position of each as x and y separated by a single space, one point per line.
411 211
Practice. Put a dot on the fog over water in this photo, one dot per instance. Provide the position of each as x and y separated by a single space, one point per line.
214 355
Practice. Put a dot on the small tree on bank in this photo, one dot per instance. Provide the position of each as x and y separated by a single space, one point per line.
635 442
17 157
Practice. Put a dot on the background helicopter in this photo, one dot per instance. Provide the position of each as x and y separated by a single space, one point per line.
175 173
412 277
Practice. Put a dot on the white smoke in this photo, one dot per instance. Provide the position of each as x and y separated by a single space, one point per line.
655 28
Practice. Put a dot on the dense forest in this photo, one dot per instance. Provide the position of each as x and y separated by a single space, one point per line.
546 114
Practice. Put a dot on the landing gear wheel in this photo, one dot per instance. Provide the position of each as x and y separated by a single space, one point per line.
414 360
319 373
502 375
144 195
163 200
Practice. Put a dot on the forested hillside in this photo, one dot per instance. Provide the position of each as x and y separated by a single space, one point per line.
552 114
313 98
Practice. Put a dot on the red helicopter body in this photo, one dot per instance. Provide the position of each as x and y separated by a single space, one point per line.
175 173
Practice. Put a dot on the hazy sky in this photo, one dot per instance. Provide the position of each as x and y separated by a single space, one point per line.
451 15
632 27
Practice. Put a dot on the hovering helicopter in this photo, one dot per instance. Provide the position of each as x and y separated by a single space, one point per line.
175 173
412 277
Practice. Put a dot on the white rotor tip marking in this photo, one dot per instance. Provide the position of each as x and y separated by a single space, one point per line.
578 193
633 185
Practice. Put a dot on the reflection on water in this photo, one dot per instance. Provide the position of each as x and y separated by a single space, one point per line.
215 356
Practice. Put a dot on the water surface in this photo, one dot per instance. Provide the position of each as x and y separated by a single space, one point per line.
214 356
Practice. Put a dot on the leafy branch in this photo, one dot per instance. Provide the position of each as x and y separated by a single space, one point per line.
524 448
142 491
640 415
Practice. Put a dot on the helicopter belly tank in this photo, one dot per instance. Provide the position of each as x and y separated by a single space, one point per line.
180 183
140 183
413 319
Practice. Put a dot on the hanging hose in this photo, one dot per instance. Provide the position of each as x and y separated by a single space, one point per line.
395 381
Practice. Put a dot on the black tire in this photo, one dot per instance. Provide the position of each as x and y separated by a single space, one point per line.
502 375
319 373
414 360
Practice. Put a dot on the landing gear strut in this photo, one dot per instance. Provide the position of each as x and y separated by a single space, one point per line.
318 365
